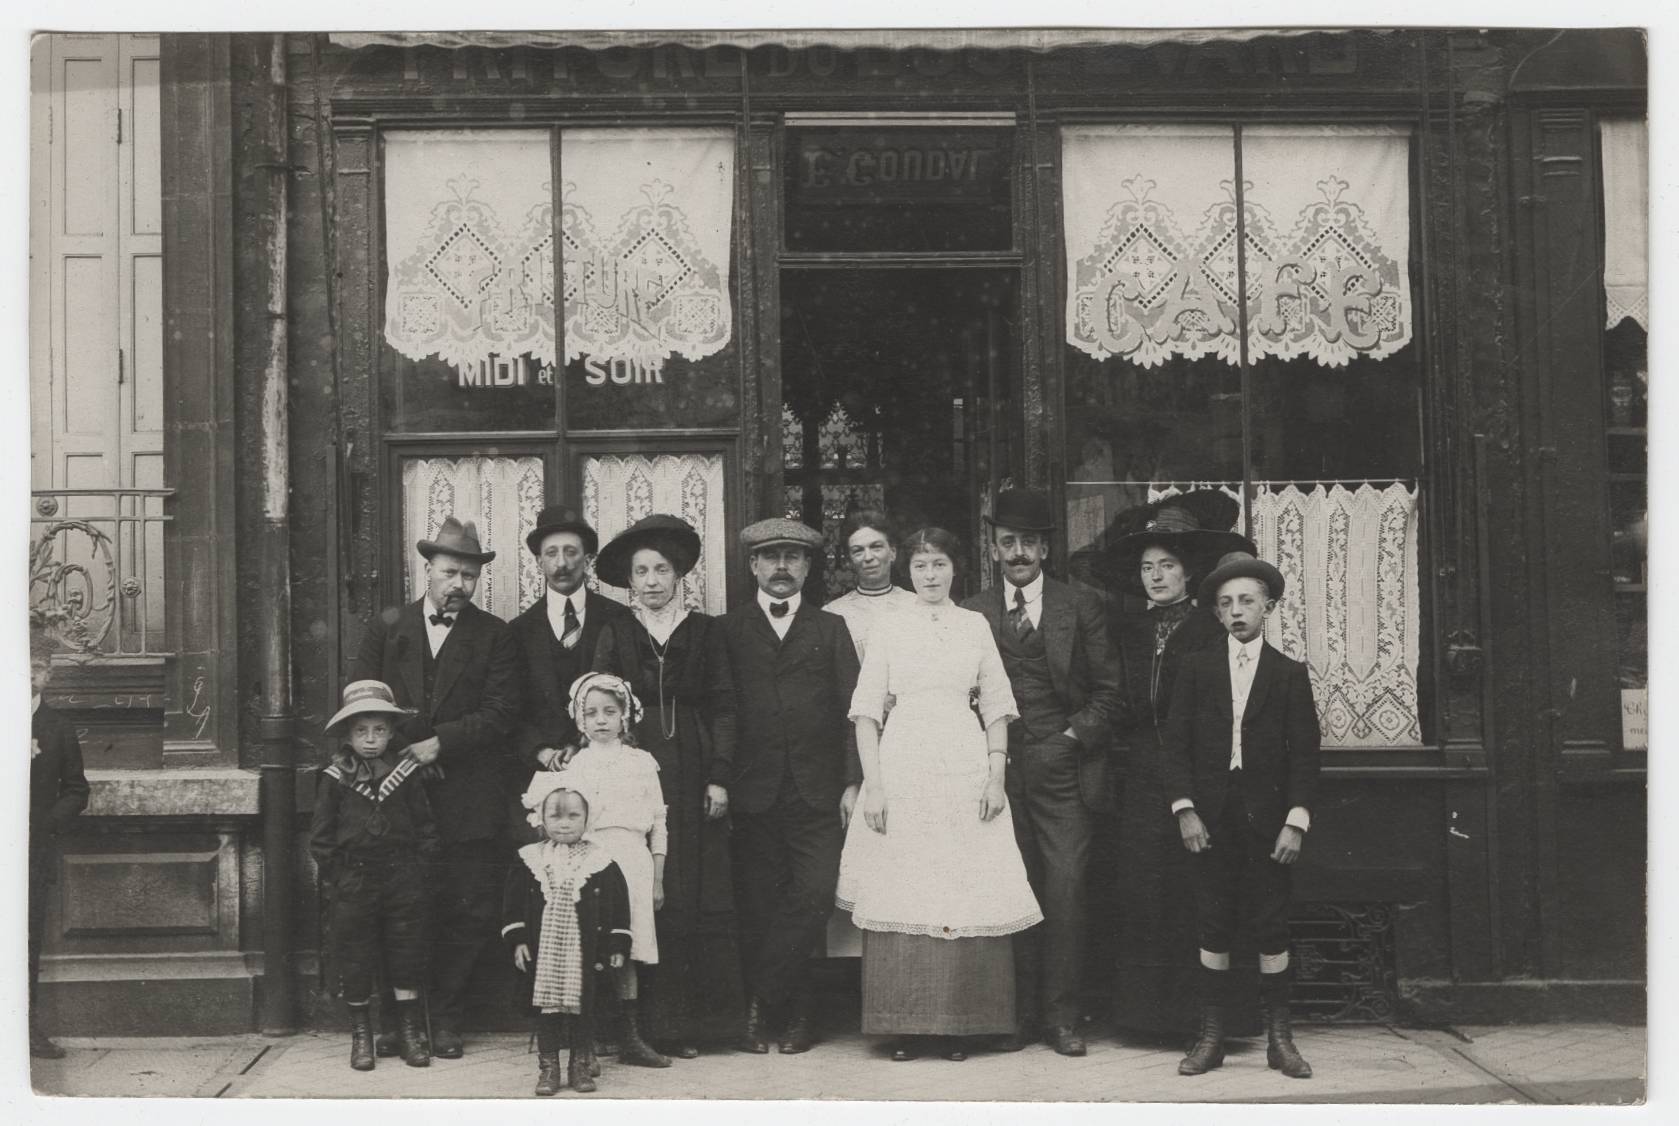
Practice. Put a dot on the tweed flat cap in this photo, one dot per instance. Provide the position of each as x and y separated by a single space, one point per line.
780 530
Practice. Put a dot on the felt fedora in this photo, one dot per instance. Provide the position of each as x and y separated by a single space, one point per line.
1025 510
559 518
670 536
457 539
1240 565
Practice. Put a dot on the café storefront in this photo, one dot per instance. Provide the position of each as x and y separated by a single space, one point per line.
1337 275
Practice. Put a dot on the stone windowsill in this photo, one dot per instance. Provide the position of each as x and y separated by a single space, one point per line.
218 791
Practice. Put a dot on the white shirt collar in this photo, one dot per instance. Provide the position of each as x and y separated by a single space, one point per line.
764 600
1253 647
432 608
1032 591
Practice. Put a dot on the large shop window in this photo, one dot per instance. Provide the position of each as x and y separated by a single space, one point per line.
1323 452
644 231
1624 145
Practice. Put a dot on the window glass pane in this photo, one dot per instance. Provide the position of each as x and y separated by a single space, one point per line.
906 189
1316 423
502 496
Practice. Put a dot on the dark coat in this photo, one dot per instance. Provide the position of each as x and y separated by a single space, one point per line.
1146 680
474 705
603 924
792 707
58 788
344 813
1082 666
543 717
1280 737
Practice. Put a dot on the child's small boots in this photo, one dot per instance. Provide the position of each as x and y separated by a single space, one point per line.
416 1052
361 1038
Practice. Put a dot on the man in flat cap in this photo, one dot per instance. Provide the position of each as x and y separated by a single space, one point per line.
556 636
795 668
1054 642
457 667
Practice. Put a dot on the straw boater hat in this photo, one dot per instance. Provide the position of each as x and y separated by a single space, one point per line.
457 539
1024 510
367 697
1241 565
779 530
670 536
559 518
1194 526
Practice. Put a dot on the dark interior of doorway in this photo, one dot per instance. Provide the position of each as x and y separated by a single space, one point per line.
895 394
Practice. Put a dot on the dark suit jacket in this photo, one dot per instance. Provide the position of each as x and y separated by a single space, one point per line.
475 703
544 720
58 788
1083 668
1279 737
792 707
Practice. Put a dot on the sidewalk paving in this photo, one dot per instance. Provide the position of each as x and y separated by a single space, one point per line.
1548 1064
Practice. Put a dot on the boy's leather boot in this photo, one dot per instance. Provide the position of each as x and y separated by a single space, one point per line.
361 1038
1208 1051
1280 1052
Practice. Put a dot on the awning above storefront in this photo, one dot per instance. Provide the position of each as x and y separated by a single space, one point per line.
894 39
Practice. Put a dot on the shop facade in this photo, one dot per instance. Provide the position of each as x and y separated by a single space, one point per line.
1366 282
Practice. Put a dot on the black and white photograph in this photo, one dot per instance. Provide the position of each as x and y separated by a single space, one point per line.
887 559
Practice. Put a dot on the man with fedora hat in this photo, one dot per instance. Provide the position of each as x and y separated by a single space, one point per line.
457 668
795 668
556 636
1054 642
1239 757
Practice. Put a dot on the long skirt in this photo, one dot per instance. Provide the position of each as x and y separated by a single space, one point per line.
918 985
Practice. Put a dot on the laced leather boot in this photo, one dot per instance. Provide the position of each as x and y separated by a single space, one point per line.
1280 1052
577 1071
632 1049
548 1080
754 1036
1208 1051
416 1052
361 1039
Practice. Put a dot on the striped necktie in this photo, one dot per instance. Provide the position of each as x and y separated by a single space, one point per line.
573 628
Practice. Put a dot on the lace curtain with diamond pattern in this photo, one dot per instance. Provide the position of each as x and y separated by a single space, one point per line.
619 490
502 495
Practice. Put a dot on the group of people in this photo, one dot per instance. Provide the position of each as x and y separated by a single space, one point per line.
695 795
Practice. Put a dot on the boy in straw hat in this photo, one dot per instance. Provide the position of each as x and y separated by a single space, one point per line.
1239 761
372 833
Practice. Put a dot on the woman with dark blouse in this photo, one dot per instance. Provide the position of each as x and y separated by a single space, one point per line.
684 683
1162 551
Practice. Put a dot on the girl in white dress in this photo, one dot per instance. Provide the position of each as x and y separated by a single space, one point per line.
627 819
930 871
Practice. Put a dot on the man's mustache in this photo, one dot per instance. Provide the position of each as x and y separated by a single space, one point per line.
1020 561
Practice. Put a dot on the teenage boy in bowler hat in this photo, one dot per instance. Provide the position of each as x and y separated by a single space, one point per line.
1065 676
1239 759
457 668
795 758
556 636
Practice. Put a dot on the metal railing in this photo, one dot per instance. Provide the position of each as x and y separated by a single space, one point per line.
96 568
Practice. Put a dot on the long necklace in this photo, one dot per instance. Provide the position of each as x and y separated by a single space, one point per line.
667 715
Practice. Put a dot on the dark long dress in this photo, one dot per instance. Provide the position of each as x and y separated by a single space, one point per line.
694 995
1155 975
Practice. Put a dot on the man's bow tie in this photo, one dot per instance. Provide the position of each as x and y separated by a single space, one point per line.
444 620
778 609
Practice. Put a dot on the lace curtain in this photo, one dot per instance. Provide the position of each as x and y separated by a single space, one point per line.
1626 205
502 495
1149 217
619 490
1351 605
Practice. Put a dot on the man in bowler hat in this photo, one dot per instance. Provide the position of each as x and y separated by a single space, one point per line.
1239 759
457 667
1054 642
795 669
556 636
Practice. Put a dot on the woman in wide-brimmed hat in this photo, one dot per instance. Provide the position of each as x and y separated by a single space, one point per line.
695 996
1159 552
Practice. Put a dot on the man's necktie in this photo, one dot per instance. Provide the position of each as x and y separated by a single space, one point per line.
573 628
778 609
1242 659
444 620
1017 616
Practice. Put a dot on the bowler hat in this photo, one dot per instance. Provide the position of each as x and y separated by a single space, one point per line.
457 539
670 536
559 518
1241 566
779 530
1025 510
1194 526
366 697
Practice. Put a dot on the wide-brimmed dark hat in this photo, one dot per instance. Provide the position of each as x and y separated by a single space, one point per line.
670 536
559 518
1194 526
1025 510
457 539
1241 565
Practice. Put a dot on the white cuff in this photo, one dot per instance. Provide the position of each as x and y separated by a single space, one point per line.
510 927
1299 818
1182 804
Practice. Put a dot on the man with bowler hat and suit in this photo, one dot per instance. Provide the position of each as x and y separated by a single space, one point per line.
795 668
1239 758
1054 642
457 668
556 636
